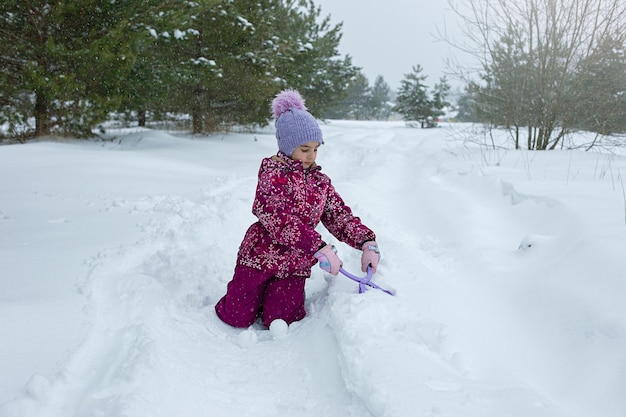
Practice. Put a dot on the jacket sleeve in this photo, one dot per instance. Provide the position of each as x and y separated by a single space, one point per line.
273 207
342 224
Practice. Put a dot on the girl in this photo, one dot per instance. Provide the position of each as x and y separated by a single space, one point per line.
278 251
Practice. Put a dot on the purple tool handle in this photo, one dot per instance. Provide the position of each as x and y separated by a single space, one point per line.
365 281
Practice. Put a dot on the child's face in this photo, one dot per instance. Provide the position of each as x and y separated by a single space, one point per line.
306 153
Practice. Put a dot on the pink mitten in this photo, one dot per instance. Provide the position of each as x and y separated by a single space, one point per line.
329 261
370 256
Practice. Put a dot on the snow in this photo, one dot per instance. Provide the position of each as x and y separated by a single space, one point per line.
508 268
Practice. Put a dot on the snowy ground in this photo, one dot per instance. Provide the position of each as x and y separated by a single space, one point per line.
509 269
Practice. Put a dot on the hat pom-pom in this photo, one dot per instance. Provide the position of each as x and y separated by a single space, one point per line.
287 100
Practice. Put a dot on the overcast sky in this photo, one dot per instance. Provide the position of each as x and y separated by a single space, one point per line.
391 37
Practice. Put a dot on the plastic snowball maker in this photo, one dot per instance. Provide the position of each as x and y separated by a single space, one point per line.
365 281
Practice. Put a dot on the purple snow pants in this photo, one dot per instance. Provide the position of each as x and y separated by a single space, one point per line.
253 293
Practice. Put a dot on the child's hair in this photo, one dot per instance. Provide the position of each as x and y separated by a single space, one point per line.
295 126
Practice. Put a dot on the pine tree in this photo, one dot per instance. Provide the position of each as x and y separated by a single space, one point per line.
379 107
415 103
151 81
225 70
412 101
308 58
439 97
69 64
356 104
245 51
601 84
466 109
72 57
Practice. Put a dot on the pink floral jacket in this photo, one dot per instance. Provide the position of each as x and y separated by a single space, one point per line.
289 203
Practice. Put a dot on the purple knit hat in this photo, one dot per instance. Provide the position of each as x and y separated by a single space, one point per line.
294 124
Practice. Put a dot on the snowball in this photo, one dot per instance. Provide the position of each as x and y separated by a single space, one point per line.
279 329
38 386
247 338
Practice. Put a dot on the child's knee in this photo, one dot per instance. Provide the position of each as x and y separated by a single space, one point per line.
235 316
241 305
284 299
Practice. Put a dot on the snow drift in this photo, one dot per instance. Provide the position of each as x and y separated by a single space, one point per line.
508 267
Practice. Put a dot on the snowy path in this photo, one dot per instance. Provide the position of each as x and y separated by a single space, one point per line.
478 327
